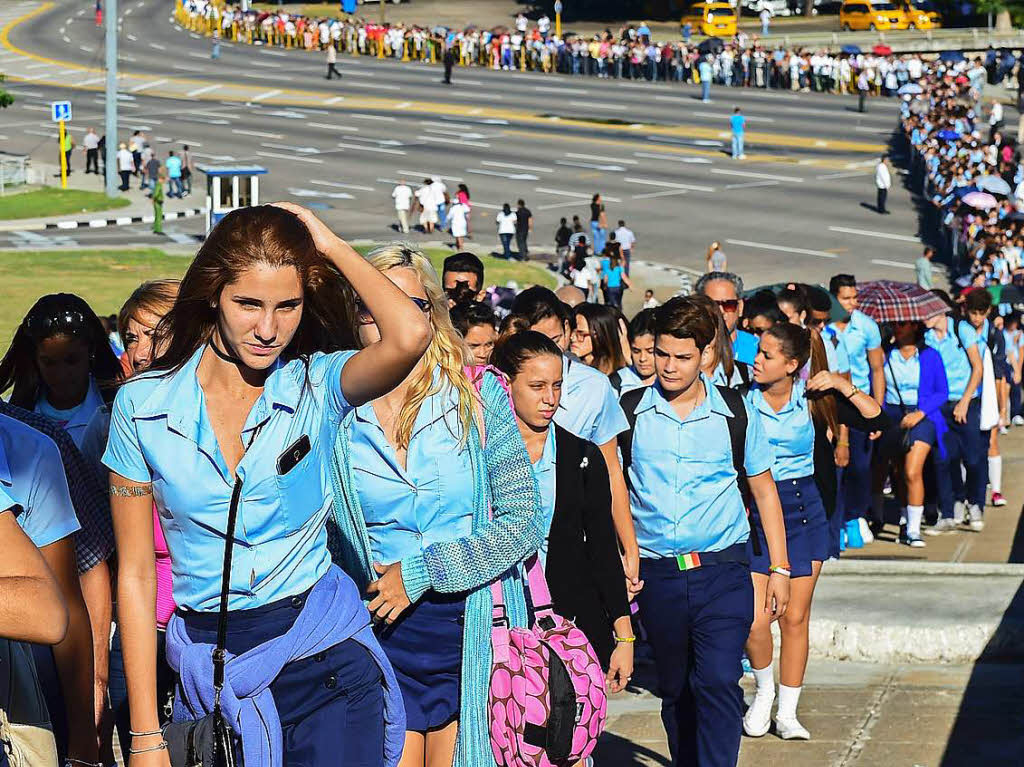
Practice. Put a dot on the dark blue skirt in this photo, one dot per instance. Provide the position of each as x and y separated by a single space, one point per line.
807 531
331 704
425 648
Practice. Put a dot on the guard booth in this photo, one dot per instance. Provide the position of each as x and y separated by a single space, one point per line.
229 187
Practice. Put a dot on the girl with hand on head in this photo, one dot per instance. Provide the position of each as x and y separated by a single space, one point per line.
434 499
579 553
236 418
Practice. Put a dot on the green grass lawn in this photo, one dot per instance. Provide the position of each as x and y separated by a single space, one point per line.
105 278
51 201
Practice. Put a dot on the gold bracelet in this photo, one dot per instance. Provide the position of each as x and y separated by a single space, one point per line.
853 392
843 443
625 639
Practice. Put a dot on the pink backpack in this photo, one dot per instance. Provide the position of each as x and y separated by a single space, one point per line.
547 698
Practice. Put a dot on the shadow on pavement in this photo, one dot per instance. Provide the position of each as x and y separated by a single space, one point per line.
989 725
615 750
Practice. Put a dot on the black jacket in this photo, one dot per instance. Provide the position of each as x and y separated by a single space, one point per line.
584 570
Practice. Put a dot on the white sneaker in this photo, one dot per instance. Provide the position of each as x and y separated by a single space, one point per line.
758 719
1017 420
976 521
959 512
791 729
865 532
944 525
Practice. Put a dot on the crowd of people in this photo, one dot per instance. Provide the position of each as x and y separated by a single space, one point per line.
631 53
351 509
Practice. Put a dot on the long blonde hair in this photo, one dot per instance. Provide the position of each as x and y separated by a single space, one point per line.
447 351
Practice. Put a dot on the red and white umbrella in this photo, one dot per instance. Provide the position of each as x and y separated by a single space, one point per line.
891 301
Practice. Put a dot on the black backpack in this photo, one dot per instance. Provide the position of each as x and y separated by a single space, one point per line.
737 425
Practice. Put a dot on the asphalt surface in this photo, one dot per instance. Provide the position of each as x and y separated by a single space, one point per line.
801 206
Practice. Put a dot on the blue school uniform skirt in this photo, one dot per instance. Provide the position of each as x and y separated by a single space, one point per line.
331 704
425 649
807 531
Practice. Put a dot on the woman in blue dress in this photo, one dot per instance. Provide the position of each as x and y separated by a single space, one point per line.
240 411
435 499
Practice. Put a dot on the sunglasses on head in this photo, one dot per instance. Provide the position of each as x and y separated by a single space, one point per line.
69 321
365 318
729 304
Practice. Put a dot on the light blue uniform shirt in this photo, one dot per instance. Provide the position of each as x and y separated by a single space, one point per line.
835 350
32 477
74 420
431 499
790 432
683 489
860 336
589 408
630 380
954 358
904 374
544 472
160 432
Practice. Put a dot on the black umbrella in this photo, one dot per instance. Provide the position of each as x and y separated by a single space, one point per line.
1017 215
1011 294
710 45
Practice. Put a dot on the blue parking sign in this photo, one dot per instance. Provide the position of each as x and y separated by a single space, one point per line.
60 111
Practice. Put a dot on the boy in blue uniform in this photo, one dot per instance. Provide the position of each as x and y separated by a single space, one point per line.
692 527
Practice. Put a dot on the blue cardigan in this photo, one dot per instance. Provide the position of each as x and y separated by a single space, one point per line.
503 485
333 613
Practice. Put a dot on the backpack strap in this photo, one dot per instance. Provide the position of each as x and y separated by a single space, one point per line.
615 379
744 371
629 402
737 424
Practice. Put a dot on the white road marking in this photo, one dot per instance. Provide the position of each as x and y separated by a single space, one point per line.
554 205
456 142
39 65
316 193
670 185
896 264
267 52
366 148
509 176
725 116
292 148
85 48
374 86
748 174
186 68
870 233
291 157
327 126
685 141
751 184
204 89
36 107
266 95
339 185
426 174
578 195
469 135
673 158
260 134
513 166
383 118
783 248
599 105
666 193
334 99
600 158
272 64
844 174
144 86
591 165
564 91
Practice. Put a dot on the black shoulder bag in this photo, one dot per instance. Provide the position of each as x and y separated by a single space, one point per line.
209 742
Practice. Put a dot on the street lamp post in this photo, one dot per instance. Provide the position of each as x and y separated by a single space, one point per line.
110 121
558 18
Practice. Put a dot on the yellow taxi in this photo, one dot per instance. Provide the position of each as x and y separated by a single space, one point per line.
711 19
921 14
860 15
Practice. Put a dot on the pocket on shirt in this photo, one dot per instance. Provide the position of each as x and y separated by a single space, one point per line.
301 491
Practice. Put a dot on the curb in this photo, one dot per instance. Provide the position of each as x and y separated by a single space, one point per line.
99 223
842 567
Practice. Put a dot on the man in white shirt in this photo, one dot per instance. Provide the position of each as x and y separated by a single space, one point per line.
627 241
521 23
428 206
544 26
883 182
402 196
439 192
91 143
125 165
995 118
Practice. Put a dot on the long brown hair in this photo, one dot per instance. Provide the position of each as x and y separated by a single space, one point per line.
268 235
722 345
603 323
800 344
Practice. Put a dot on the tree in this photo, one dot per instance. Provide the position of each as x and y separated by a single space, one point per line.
1006 12
6 99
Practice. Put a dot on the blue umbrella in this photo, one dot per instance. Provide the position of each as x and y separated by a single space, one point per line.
853 50
993 185
948 135
952 57
910 88
963 191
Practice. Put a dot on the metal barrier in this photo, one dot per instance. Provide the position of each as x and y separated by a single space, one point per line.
13 171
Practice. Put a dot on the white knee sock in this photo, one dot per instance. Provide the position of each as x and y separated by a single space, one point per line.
765 680
788 699
995 473
914 514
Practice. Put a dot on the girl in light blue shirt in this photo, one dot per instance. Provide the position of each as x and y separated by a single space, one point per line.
239 413
434 500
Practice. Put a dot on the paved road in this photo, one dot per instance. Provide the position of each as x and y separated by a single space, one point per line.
800 206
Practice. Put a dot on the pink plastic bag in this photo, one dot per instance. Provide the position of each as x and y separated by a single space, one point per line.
547 700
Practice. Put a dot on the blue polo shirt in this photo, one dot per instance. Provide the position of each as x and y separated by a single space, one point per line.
160 433
683 485
835 350
429 500
860 336
32 478
589 408
630 379
790 432
738 123
902 378
954 356
544 473
73 420
744 348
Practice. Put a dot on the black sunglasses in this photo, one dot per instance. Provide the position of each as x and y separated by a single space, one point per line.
69 321
366 318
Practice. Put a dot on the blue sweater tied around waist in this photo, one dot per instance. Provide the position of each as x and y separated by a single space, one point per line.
333 613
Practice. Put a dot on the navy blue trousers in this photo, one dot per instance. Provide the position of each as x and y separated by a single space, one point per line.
856 486
331 704
965 443
697 622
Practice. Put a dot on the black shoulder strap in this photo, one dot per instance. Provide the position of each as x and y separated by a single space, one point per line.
629 402
737 425
615 379
744 370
